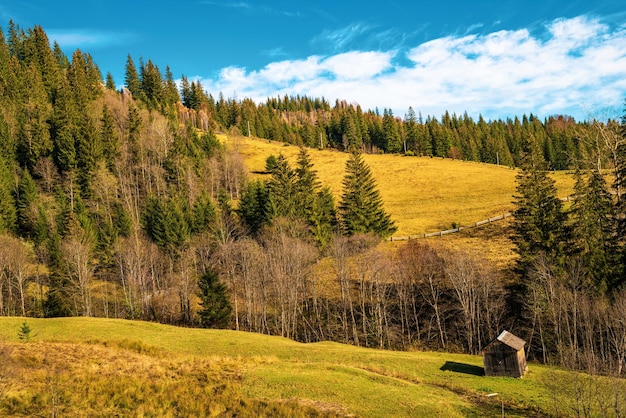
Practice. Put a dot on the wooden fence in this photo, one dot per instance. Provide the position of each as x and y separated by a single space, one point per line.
455 230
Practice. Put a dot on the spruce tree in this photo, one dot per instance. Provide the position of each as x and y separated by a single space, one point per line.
411 131
26 199
8 215
391 132
64 128
152 85
133 84
594 231
110 138
254 205
170 90
216 308
317 207
539 225
282 190
204 213
361 207
110 83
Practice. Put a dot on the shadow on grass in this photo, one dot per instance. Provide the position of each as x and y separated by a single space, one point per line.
453 366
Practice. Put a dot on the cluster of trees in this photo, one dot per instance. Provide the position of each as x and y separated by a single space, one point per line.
112 205
572 261
314 123
125 204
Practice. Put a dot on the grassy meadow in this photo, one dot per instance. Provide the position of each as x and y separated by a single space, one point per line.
106 367
422 194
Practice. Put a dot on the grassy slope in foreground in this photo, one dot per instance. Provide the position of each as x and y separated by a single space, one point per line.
422 194
331 377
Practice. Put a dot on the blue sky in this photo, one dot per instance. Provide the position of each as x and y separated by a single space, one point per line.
496 58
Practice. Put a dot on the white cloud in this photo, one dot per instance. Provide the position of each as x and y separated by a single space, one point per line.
574 65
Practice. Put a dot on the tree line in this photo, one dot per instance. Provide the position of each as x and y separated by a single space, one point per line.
123 203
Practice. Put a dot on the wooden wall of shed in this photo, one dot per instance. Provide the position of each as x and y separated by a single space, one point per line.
501 360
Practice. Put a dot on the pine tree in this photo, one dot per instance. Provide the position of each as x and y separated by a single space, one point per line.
204 213
539 225
33 137
133 84
109 137
361 207
8 214
392 138
282 190
411 131
594 231
64 128
170 90
152 85
317 207
26 199
216 308
110 83
254 205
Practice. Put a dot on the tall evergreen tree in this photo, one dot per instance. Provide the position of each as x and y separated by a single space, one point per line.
391 132
152 85
317 207
282 190
361 207
539 225
216 308
64 127
26 199
33 137
594 231
109 137
110 83
254 205
8 215
133 84
411 131
170 90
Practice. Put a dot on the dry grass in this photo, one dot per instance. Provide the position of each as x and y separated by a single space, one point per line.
422 194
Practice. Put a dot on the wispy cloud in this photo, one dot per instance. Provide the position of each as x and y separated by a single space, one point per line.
252 8
570 66
342 39
274 52
81 38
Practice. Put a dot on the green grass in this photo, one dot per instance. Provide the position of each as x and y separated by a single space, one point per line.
259 371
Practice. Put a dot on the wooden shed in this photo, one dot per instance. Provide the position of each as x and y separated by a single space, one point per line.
505 356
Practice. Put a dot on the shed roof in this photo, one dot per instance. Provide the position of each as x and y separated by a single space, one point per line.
505 337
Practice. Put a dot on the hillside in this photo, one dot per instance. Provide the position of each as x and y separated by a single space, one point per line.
422 194
165 370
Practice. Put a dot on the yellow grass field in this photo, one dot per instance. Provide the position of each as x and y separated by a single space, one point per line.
422 194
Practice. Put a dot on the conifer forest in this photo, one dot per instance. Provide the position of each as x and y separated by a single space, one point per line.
122 202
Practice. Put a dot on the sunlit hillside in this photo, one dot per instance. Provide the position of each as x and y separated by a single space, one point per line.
89 366
422 194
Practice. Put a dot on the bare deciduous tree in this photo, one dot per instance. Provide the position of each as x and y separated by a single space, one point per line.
16 257
77 252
